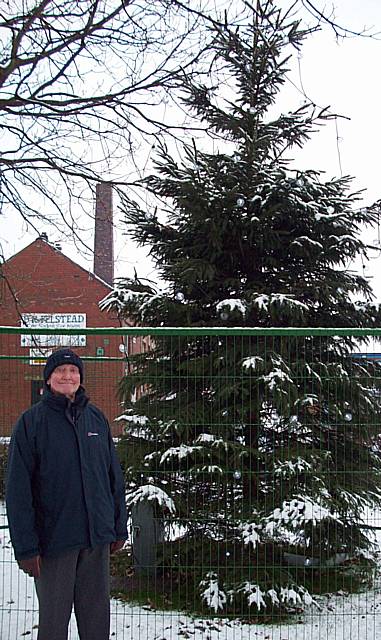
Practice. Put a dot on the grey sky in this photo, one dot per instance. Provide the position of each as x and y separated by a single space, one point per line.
342 73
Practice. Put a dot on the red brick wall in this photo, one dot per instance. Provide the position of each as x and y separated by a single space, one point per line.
43 280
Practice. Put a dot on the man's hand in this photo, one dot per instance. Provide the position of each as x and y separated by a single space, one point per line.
116 546
31 566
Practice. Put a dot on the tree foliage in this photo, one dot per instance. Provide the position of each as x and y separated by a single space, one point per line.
83 82
265 444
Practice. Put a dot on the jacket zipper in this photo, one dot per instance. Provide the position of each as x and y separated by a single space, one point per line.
72 415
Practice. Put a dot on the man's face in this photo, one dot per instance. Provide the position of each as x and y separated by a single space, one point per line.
65 380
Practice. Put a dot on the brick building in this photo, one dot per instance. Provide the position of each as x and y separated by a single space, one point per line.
43 287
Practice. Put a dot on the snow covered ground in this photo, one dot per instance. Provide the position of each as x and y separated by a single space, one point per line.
337 616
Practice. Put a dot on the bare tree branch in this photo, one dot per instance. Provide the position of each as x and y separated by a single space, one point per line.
85 84
82 82
339 29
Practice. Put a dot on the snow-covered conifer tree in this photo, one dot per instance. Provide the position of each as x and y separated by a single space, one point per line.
264 444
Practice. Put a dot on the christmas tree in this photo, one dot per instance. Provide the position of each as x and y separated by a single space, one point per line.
261 446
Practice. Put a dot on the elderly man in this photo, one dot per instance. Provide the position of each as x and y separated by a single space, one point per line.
65 503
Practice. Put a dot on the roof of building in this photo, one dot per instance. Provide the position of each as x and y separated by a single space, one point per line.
54 250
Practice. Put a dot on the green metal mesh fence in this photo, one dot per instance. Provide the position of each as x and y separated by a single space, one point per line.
252 467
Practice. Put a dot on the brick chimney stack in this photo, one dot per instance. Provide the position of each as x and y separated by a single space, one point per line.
104 236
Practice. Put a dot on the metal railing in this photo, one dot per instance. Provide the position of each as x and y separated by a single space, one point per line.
252 464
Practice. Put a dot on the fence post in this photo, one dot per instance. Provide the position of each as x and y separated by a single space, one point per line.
147 533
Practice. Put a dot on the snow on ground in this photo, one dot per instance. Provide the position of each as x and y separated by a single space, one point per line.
337 616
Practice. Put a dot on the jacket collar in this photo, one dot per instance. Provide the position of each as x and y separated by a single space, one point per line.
61 403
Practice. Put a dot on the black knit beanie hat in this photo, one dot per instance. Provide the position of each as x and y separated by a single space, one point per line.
59 357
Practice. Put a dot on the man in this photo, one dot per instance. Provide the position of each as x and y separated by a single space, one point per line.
65 503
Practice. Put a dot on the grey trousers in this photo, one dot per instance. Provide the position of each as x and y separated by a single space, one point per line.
79 578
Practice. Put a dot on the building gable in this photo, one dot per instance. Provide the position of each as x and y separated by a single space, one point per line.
40 277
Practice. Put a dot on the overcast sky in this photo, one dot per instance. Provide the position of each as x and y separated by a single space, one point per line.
342 73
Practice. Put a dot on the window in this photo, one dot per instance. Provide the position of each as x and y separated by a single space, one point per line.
37 390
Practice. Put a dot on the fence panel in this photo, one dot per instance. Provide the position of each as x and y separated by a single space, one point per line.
252 467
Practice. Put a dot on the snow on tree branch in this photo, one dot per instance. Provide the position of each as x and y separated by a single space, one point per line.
181 452
214 597
151 493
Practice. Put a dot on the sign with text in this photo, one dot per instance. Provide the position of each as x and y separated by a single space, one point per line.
39 356
54 321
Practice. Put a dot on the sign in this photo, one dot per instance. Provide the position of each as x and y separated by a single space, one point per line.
53 321
39 356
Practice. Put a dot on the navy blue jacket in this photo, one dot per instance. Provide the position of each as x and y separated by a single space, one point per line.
65 487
